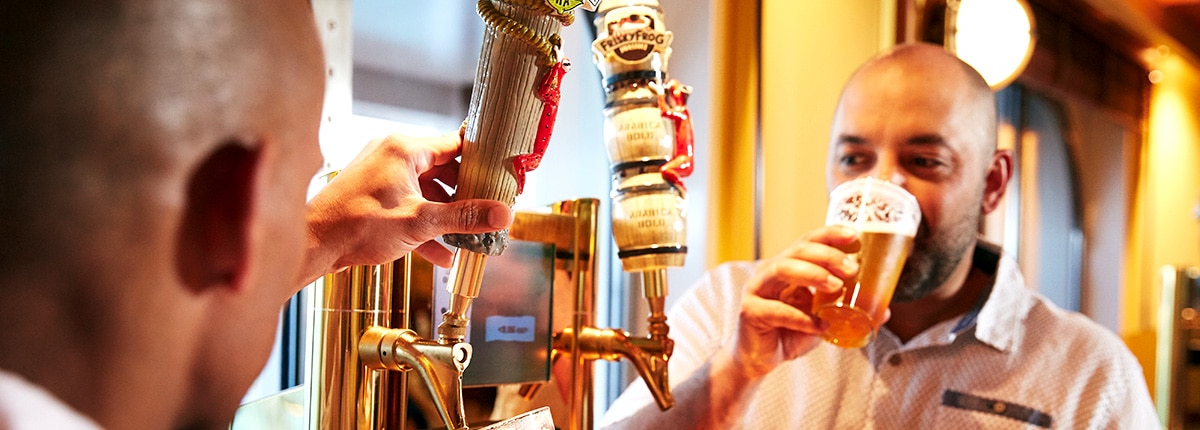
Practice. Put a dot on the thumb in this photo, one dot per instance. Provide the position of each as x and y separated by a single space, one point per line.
468 216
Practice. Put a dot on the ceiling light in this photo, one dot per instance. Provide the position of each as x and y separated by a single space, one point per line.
996 37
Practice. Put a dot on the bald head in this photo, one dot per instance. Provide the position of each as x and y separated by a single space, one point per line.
108 98
153 160
936 74
928 59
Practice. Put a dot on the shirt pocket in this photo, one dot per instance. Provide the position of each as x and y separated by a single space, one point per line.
1000 413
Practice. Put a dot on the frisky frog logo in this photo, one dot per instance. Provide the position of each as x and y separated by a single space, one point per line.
632 37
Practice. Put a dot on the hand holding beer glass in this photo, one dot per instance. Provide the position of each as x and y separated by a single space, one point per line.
886 217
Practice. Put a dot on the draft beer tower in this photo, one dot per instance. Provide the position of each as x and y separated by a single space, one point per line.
648 133
511 116
513 108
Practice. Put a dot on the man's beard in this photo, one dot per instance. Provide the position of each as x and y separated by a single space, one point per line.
931 263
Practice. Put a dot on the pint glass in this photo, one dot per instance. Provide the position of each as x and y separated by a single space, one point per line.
886 217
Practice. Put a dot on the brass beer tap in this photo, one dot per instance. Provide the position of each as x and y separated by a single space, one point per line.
521 50
648 132
500 144
439 366
649 137
362 349
466 278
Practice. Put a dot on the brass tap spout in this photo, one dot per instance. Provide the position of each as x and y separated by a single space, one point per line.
649 356
466 277
439 366
654 287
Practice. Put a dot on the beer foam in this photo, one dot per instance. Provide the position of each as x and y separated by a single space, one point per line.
872 205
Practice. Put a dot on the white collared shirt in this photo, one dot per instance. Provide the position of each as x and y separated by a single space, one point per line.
24 406
1019 361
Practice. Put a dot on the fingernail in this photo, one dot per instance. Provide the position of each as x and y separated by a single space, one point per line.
849 231
834 281
850 263
499 217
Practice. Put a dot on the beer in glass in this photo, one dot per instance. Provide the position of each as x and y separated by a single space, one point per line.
886 217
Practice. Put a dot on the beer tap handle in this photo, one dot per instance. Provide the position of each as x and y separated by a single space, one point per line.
511 116
513 107
650 141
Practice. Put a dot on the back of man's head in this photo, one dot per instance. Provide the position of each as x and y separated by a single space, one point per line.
103 102
120 120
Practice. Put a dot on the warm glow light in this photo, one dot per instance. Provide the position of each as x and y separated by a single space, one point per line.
1164 50
995 37
1155 76
1153 59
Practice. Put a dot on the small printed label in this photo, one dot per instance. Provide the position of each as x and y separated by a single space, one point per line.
653 217
564 6
640 129
510 329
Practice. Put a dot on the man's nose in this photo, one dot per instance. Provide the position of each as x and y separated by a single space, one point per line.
889 170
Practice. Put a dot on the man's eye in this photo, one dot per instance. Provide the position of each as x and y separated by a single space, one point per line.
927 162
851 160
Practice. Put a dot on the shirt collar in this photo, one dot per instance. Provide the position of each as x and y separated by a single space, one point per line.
994 320
997 318
25 406
985 259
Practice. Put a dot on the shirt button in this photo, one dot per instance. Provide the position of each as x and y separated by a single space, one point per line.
895 360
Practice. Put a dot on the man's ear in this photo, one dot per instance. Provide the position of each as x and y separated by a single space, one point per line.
996 182
215 235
